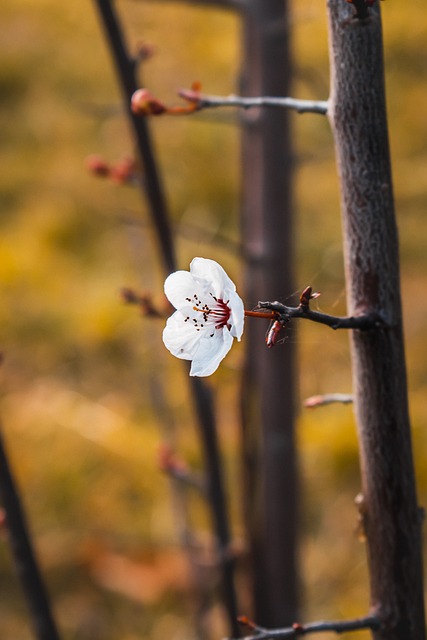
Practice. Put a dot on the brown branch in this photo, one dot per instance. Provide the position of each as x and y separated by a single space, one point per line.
297 629
237 5
152 188
27 567
391 518
201 394
361 8
284 314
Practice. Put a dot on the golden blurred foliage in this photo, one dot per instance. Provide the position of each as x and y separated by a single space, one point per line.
84 398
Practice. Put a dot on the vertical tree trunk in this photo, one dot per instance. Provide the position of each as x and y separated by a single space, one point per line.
390 511
269 376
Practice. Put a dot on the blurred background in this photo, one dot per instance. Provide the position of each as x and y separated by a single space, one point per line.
89 394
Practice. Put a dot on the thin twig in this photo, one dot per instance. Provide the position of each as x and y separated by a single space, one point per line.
152 188
297 630
144 103
364 322
327 398
280 314
221 4
201 395
204 101
28 570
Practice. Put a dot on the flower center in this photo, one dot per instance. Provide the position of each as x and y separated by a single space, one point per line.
216 312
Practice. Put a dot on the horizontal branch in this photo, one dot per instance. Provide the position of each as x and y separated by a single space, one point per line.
144 103
327 398
297 630
284 313
204 101
220 4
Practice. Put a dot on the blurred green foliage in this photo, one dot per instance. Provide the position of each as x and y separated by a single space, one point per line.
81 369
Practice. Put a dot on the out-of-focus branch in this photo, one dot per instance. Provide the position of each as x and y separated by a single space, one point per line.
145 103
27 567
204 101
237 5
201 395
328 398
152 188
297 629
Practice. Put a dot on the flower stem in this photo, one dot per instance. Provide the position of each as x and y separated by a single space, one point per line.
272 315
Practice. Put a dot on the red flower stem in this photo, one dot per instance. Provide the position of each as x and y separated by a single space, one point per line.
259 314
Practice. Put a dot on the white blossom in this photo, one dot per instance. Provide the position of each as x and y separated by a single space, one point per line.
209 314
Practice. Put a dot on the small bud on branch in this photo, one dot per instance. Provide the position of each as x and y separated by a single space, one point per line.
296 629
328 398
123 172
144 301
145 104
284 313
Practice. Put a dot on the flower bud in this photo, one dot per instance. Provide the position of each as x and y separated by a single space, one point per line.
143 103
97 165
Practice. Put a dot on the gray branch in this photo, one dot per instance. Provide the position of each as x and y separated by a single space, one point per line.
301 106
297 630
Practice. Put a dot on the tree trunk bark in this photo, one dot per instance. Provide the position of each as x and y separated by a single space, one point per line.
390 511
268 393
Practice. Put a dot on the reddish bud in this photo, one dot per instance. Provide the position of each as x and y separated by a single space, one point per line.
169 461
143 103
313 401
4 531
97 165
143 300
308 295
273 333
144 51
123 171
247 622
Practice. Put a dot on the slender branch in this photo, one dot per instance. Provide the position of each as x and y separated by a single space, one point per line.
364 322
328 398
221 4
28 570
204 101
297 630
201 395
144 103
152 188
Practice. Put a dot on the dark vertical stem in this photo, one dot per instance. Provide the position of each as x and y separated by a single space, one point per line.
152 186
25 560
268 394
201 395
203 402
389 509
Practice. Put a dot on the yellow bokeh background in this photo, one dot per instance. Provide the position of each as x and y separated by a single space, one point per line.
89 394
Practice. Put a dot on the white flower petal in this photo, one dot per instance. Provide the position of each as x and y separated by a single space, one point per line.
179 286
210 353
212 272
209 315
180 337
237 317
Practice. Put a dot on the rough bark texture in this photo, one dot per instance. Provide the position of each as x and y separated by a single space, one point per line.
390 512
269 378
